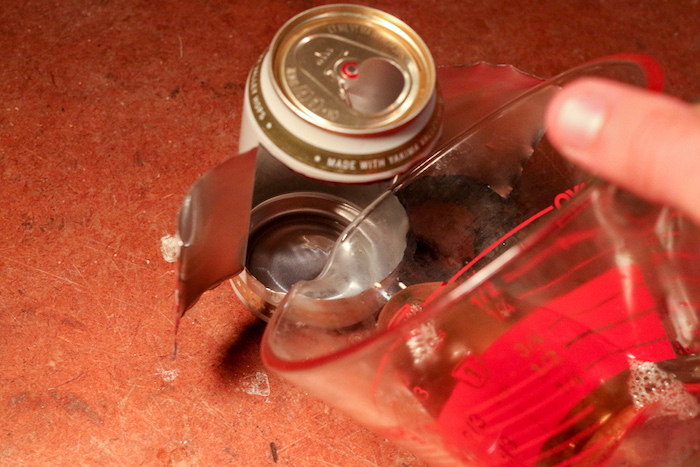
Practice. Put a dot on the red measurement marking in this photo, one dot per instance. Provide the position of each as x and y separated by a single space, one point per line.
562 198
603 443
403 313
683 279
539 440
571 271
684 255
471 371
559 246
588 431
421 393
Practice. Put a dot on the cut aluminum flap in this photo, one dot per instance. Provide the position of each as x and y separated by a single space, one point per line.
213 227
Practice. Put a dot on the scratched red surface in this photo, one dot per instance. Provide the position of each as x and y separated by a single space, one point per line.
109 110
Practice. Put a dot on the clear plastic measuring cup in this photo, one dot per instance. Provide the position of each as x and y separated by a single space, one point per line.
498 306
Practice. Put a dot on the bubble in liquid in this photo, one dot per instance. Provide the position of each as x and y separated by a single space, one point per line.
651 387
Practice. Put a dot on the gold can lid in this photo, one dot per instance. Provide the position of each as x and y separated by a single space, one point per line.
352 69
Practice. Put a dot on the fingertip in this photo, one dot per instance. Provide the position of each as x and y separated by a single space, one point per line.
649 143
591 121
575 118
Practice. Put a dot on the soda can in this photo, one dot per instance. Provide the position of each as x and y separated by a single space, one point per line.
343 100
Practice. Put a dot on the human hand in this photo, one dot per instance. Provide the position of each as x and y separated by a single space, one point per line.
648 143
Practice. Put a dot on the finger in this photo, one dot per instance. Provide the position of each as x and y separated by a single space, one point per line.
648 143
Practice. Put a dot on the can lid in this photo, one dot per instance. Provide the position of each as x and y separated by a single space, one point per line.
352 69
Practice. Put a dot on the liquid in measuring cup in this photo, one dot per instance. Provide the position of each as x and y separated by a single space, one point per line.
552 362
525 399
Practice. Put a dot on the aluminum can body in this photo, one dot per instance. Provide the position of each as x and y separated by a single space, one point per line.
343 100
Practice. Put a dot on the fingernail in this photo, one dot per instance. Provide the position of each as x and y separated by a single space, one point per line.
580 121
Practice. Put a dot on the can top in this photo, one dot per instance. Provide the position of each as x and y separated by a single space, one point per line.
352 69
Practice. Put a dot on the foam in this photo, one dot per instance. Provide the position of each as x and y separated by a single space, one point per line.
660 391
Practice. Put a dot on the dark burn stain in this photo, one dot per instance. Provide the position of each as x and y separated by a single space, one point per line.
73 323
73 404
176 457
19 399
28 222
230 89
51 223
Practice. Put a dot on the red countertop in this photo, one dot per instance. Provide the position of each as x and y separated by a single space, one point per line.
109 111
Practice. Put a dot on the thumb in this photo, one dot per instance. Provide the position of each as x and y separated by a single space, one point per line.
647 143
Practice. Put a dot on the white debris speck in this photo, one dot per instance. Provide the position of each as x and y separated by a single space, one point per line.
169 375
257 384
170 247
